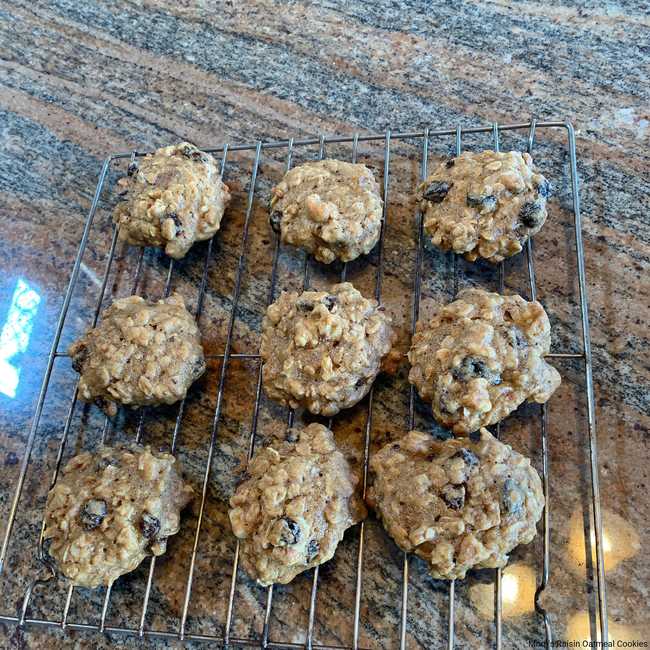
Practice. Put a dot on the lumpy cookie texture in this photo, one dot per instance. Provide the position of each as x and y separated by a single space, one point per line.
480 357
291 511
139 354
458 504
110 509
330 208
484 204
174 197
323 349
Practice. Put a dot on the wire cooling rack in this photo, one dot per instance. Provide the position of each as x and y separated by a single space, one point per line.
227 638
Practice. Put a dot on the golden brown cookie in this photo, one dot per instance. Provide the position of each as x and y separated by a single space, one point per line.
456 503
140 354
174 197
330 208
291 511
484 204
110 509
478 358
323 349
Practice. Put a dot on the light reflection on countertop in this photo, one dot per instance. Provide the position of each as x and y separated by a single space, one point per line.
519 581
620 541
15 334
580 629
518 584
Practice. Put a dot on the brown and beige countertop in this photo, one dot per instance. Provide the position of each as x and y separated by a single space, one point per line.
82 80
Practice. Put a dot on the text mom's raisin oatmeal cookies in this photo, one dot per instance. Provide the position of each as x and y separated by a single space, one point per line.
291 511
330 208
139 354
174 197
480 357
110 509
322 350
458 504
484 204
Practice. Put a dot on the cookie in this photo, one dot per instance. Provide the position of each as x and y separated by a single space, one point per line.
478 358
323 349
291 511
456 503
173 198
330 208
140 354
484 204
110 509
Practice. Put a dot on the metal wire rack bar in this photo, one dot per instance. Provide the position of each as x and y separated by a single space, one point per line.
165 634
545 459
498 584
222 382
266 628
451 612
395 135
251 441
415 313
227 638
181 407
309 639
371 394
231 356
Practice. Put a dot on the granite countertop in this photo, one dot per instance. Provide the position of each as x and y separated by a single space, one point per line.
83 80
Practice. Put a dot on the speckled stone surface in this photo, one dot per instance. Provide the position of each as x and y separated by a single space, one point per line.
81 80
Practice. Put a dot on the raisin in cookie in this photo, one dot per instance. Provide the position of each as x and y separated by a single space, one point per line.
294 506
140 354
484 204
330 208
322 350
110 509
480 357
174 197
457 503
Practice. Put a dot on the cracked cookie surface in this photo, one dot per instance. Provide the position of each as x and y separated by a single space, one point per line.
330 208
174 197
484 204
298 499
322 350
479 357
456 503
110 509
139 354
